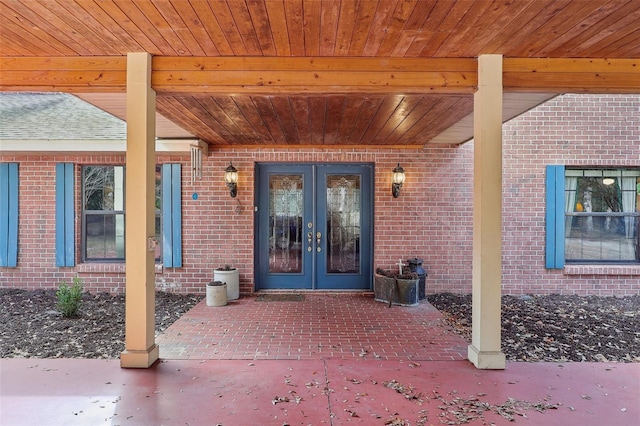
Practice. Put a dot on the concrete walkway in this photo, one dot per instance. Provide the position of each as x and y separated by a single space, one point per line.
327 359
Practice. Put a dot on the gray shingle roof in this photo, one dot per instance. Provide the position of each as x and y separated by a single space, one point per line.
55 116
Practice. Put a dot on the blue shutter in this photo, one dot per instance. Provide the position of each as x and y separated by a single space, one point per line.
554 217
65 229
171 216
9 214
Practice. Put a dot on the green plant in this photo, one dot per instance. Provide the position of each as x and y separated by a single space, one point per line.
69 298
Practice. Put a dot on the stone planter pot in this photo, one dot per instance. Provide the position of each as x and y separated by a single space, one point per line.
216 293
402 292
232 278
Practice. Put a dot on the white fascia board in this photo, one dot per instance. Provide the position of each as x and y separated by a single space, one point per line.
49 145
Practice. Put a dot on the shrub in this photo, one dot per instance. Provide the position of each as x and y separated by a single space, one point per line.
69 298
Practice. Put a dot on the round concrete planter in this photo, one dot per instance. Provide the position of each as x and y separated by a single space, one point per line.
232 278
216 293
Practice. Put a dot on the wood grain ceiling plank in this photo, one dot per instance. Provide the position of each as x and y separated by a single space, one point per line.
235 114
278 27
604 33
268 115
364 19
18 41
40 17
427 30
346 21
124 25
486 27
399 115
102 22
294 15
448 26
571 23
86 26
329 19
312 26
379 26
386 110
170 27
196 30
527 23
317 111
515 30
180 111
225 20
369 109
554 28
334 115
447 111
242 20
424 104
207 110
224 118
395 28
251 114
626 47
350 114
465 29
286 117
214 31
264 27
300 105
130 19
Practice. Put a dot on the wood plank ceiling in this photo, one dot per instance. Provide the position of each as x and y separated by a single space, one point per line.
331 30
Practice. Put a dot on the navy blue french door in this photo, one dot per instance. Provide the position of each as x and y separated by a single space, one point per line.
314 226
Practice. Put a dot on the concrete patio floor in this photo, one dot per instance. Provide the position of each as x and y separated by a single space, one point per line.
352 370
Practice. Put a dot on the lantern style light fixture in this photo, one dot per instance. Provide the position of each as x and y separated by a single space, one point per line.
397 180
231 179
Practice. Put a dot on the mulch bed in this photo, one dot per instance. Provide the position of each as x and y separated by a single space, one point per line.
33 328
557 327
535 328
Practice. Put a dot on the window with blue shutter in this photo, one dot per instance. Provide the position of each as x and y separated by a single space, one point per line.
554 217
171 216
65 206
9 215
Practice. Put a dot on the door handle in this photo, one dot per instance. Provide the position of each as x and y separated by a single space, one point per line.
309 240
318 239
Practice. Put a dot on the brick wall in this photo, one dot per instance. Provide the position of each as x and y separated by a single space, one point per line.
432 218
574 130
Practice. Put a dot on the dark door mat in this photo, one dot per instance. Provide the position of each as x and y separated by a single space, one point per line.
280 298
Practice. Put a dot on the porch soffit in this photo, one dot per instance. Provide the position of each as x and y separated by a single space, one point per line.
304 72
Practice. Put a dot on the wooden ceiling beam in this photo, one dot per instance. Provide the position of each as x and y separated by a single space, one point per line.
571 75
106 74
317 75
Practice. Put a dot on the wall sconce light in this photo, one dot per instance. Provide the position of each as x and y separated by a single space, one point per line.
397 180
231 179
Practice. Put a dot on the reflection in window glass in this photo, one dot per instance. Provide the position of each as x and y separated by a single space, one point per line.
601 215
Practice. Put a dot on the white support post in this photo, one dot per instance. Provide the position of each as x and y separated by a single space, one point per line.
485 351
141 350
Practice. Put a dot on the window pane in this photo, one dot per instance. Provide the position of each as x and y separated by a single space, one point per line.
103 188
104 236
596 226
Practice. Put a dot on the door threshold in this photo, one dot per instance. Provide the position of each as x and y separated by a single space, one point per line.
311 292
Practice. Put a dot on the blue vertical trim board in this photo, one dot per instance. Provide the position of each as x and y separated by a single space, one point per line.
65 227
171 216
554 217
176 214
9 215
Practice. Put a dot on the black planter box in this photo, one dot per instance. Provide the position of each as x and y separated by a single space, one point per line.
403 292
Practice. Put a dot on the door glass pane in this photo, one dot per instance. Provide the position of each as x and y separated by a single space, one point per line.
343 224
285 223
